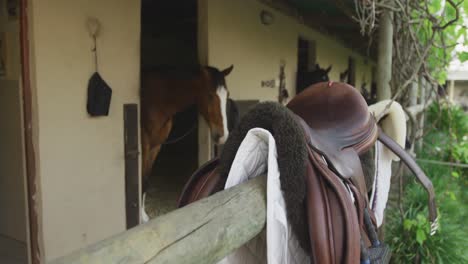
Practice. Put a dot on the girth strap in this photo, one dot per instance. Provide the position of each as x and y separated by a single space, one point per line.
413 166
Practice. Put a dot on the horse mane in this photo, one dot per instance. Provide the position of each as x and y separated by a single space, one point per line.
174 71
183 72
217 77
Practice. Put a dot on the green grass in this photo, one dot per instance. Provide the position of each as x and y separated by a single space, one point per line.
408 233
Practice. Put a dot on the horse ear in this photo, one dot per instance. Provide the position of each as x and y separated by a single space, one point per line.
328 69
228 70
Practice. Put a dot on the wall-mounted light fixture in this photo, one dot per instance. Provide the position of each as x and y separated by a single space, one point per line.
266 17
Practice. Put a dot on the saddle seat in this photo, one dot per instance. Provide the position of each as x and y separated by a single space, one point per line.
339 124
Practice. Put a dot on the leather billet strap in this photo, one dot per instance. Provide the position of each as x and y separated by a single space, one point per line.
331 214
203 182
422 178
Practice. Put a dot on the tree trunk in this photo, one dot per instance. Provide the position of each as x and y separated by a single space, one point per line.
422 101
413 100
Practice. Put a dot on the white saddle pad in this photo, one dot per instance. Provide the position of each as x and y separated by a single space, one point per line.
256 156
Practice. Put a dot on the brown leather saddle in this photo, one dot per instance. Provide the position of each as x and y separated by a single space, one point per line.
320 137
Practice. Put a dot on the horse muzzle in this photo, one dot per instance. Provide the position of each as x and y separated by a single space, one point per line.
219 139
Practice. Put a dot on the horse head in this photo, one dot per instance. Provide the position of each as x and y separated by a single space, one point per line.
319 74
369 96
344 76
308 78
213 103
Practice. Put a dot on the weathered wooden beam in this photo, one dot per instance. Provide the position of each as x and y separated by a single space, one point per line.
418 109
384 64
203 232
451 91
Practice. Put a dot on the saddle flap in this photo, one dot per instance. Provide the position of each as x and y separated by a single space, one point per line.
333 222
203 182
346 163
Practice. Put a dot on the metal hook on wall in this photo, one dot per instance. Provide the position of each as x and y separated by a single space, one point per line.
94 26
99 92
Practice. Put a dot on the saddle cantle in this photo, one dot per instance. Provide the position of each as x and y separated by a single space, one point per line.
319 141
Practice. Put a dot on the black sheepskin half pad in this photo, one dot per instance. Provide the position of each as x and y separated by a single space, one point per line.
292 157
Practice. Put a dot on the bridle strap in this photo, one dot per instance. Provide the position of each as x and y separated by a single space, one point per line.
168 142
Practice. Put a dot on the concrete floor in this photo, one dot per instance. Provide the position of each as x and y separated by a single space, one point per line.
12 251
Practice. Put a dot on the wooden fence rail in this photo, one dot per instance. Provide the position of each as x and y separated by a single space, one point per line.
203 232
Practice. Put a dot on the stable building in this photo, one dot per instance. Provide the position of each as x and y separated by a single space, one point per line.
68 179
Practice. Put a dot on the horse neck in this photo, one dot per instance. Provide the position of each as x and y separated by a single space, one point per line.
168 96
174 105
177 98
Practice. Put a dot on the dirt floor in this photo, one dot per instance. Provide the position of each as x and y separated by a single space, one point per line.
174 165
170 173
12 251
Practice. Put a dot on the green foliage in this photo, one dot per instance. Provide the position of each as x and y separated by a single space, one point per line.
408 233
419 226
463 56
451 117
448 141
443 51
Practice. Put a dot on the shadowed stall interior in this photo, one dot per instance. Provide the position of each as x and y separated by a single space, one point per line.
13 217
169 39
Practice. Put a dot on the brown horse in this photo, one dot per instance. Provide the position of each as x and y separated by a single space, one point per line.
165 92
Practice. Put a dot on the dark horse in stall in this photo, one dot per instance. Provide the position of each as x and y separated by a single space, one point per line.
165 91
307 78
370 97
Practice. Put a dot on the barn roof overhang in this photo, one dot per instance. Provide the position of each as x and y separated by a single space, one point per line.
335 18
